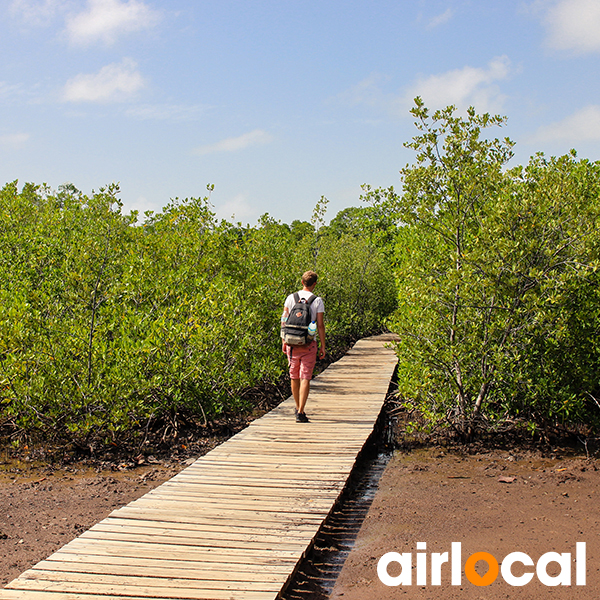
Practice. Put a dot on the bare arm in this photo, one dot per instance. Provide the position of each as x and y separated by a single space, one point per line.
284 316
321 330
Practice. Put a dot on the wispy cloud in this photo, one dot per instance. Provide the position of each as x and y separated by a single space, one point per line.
38 12
9 90
463 87
103 21
581 126
468 86
106 20
440 19
368 92
238 208
116 82
573 25
258 137
13 141
167 112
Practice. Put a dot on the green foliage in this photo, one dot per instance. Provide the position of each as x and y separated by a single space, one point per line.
549 226
357 285
301 229
376 223
106 324
497 275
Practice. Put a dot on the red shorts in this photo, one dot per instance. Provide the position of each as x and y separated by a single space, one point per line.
302 360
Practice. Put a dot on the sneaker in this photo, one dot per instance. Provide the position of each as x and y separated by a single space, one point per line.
302 418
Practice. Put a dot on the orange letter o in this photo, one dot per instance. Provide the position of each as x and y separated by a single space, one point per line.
472 574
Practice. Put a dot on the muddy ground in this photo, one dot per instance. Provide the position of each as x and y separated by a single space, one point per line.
497 501
42 507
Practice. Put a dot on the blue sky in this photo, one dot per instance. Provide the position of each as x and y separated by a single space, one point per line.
277 103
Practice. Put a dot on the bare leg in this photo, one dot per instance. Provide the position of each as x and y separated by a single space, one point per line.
300 390
303 395
296 392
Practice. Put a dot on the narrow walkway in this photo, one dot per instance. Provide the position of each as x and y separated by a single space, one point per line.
235 523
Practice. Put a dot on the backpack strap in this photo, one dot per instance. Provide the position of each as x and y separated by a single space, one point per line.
308 301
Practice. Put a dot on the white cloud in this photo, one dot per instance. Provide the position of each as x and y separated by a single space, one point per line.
141 204
462 87
440 19
574 25
113 83
38 12
582 126
469 86
106 20
237 209
14 140
258 137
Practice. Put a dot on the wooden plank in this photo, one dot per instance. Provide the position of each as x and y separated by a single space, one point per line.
113 564
14 594
207 529
248 514
192 577
291 520
273 458
261 479
243 501
139 591
208 526
182 585
277 477
217 505
250 501
230 542
183 487
293 469
186 557
182 552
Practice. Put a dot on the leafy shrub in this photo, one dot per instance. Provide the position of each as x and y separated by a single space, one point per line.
497 274
106 324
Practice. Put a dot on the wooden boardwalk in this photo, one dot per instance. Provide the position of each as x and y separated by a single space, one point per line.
236 523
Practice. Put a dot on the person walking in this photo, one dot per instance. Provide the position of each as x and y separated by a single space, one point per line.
302 358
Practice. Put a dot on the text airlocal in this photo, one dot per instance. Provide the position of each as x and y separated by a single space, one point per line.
433 567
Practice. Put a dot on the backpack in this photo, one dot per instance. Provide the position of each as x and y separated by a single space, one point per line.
294 331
